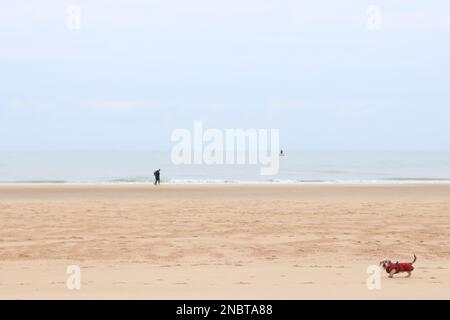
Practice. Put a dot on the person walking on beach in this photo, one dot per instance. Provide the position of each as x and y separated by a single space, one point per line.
156 173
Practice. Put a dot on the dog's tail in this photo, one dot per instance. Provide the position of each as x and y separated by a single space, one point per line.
415 258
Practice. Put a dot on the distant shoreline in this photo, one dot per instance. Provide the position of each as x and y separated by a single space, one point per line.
237 183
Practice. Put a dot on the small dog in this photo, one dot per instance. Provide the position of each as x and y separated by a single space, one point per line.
394 268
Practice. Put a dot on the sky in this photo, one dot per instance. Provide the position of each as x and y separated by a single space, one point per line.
135 70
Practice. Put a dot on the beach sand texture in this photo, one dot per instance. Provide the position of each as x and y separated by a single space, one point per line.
222 241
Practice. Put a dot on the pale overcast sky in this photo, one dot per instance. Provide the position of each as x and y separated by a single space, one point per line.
136 70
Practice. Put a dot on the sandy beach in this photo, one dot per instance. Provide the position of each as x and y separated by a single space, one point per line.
222 241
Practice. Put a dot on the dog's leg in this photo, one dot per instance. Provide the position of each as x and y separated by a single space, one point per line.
409 274
391 274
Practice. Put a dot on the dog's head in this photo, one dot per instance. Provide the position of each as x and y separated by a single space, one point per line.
385 263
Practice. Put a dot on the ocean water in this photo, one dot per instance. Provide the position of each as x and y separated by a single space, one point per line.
296 167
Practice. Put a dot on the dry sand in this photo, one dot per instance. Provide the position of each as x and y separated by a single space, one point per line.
222 241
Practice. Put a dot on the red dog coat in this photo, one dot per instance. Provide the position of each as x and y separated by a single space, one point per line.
399 267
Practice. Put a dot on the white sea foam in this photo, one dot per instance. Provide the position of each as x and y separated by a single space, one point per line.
136 167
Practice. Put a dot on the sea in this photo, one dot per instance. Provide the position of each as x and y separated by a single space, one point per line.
296 167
